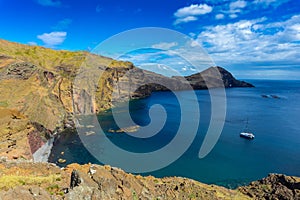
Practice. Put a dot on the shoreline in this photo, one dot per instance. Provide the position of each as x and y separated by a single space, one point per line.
43 153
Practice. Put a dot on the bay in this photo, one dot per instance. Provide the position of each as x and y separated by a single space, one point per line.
233 161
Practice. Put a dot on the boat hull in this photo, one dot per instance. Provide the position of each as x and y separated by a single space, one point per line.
247 135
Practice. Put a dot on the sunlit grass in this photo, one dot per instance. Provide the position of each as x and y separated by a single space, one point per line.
11 181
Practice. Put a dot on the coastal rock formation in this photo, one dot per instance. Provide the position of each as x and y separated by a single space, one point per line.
47 87
38 100
215 77
275 186
63 83
22 70
47 181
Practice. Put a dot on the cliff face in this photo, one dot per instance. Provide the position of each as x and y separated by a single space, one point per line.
124 83
275 186
46 181
46 87
215 77
38 99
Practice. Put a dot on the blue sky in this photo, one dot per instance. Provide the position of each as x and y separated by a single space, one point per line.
252 39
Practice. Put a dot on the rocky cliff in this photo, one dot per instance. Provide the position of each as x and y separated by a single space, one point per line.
42 88
46 181
38 99
215 77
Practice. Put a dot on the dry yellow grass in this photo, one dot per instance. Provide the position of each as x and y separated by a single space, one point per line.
11 181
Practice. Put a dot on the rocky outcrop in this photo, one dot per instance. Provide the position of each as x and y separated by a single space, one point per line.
22 70
47 79
129 82
47 181
39 84
214 77
230 81
275 186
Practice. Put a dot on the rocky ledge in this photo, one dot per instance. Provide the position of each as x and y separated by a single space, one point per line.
210 76
39 96
26 180
275 186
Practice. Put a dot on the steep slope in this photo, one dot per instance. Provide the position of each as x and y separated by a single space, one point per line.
274 186
37 83
25 180
215 77
48 86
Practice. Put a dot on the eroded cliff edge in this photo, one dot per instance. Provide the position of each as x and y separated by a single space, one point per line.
37 101
47 181
42 88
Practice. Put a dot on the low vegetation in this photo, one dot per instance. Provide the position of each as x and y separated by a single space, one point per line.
11 181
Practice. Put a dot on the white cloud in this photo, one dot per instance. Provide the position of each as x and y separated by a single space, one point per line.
165 45
232 16
267 3
237 5
160 69
235 8
187 53
254 42
193 10
53 39
185 20
52 3
190 13
195 43
219 16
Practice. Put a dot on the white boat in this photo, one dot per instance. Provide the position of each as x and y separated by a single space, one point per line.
247 135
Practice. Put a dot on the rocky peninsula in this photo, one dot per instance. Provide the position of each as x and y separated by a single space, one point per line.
38 101
39 96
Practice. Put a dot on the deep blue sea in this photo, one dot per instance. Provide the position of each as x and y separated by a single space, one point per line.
233 161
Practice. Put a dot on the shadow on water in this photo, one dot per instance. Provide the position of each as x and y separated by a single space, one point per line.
70 148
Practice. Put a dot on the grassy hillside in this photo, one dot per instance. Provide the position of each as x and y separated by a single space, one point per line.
37 82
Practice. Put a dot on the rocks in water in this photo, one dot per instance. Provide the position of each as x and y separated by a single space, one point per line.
61 161
275 96
270 96
89 133
75 179
111 130
129 129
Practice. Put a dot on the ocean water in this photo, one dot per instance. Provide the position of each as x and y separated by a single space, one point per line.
233 161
